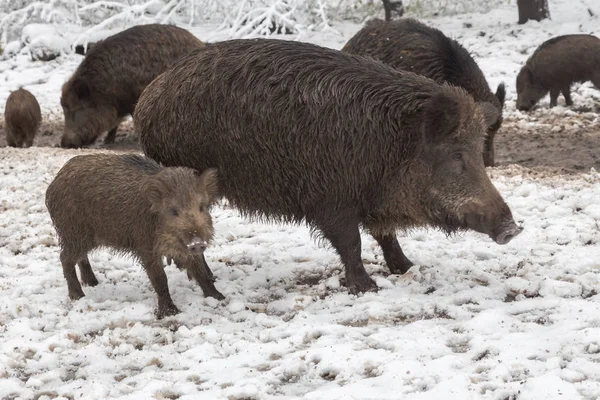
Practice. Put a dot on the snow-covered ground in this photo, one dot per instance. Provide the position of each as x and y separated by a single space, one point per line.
472 320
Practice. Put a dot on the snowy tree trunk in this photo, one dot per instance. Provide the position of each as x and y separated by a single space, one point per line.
536 10
391 6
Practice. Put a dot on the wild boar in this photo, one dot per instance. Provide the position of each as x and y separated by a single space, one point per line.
301 133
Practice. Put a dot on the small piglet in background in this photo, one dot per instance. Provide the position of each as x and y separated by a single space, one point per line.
554 66
132 204
22 118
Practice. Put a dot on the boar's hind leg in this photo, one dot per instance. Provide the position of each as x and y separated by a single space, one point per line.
553 97
395 259
344 236
203 275
111 135
87 275
566 92
68 262
158 279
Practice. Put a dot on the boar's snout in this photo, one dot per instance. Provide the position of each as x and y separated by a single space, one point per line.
197 245
500 227
507 231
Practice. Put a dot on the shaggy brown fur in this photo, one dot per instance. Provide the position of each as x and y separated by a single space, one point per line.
409 45
555 66
108 82
22 118
304 133
132 204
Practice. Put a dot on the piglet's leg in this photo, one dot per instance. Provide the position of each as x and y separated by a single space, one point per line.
158 279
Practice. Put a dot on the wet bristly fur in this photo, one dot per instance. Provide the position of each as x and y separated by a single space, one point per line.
299 133
107 84
133 205
555 65
22 118
409 45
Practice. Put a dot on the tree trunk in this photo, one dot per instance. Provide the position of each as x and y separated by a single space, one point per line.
536 10
391 6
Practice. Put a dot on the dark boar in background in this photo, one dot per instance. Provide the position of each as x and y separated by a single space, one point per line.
409 45
304 133
22 118
132 204
106 85
555 65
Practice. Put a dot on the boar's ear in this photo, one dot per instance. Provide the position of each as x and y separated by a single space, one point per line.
501 93
490 113
81 89
526 74
441 117
155 193
209 181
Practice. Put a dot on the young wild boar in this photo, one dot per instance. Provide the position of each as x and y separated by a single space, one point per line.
106 85
22 118
555 65
409 45
304 133
143 209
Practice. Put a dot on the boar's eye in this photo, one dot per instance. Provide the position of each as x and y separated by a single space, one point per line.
174 212
457 156
202 208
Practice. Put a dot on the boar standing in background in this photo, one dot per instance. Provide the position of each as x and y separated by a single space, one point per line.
409 45
555 66
132 204
106 85
304 133
22 118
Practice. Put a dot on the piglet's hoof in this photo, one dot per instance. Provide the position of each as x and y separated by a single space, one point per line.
361 285
214 294
167 311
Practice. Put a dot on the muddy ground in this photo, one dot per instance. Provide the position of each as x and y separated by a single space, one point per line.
567 141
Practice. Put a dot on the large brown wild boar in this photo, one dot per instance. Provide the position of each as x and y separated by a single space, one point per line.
132 204
22 118
304 133
555 65
106 85
409 45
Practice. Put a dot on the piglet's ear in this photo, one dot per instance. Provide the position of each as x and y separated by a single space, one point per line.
155 194
490 113
441 117
209 180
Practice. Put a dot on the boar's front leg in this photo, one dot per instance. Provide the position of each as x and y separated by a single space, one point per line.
344 235
395 259
554 97
111 135
158 279
566 92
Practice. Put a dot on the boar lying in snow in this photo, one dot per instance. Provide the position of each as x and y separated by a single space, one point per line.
304 133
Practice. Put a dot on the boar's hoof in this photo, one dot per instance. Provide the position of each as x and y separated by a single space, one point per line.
167 311
90 281
76 294
400 268
361 284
